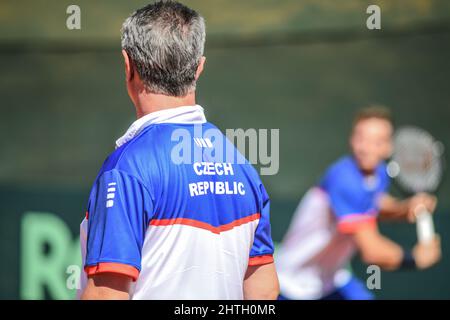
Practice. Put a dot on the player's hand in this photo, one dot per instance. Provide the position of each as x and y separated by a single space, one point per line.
427 254
420 200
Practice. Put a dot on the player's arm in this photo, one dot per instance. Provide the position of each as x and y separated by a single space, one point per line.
117 222
395 209
374 248
261 283
107 286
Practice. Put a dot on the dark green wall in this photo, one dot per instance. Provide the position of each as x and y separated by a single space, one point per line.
298 66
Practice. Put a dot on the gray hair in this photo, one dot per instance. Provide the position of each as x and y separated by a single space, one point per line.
165 41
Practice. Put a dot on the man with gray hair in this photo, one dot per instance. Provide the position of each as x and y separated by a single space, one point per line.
156 228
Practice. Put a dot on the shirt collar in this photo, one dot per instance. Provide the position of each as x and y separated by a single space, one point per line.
180 115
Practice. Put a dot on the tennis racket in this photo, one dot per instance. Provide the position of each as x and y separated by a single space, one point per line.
417 166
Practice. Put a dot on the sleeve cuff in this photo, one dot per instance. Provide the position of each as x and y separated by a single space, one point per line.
260 260
349 226
111 267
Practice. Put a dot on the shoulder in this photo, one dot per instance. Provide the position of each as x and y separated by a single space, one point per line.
342 174
230 151
345 164
136 156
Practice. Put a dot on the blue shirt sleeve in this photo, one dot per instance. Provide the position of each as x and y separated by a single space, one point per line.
347 200
118 215
353 205
262 249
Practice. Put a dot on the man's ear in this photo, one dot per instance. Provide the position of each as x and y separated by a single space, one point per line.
129 71
200 67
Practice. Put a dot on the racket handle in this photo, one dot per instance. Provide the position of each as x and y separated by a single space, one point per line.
424 226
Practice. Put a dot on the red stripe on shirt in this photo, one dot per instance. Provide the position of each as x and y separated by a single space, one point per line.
204 225
260 260
112 267
351 226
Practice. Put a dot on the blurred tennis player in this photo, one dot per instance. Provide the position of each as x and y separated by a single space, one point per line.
159 229
338 217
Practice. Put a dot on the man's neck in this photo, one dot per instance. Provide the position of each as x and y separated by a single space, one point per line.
149 102
367 173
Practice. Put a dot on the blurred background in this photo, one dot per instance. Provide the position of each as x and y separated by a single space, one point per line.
303 66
